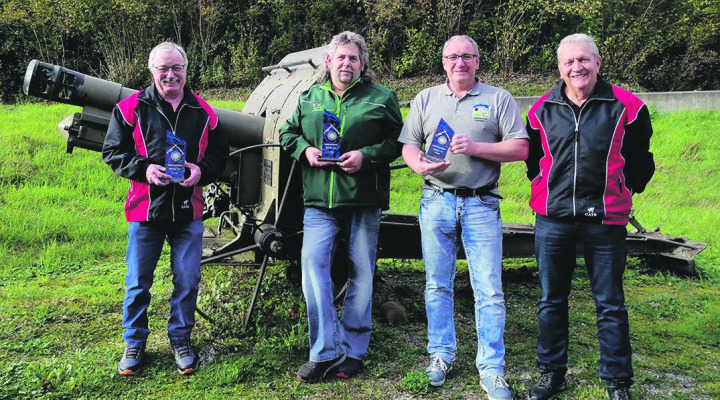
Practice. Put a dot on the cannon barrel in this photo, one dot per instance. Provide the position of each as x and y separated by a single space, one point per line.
263 181
99 96
259 200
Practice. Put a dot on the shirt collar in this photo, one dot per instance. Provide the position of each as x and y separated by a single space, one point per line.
603 91
327 85
475 91
151 94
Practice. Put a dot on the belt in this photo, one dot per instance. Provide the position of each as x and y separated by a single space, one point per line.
467 192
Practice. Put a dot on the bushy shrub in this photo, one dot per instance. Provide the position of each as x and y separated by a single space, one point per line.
420 55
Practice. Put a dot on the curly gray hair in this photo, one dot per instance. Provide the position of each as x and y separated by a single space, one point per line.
342 39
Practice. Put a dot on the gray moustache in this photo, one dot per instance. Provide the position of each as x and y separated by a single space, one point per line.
171 80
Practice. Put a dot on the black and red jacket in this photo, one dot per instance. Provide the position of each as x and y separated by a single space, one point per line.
587 168
136 138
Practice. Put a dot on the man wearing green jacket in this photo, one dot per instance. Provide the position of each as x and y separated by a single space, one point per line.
344 132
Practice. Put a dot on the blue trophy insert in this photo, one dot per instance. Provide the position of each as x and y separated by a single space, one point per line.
331 138
440 143
174 157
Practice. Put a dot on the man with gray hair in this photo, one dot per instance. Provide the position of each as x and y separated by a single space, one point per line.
589 153
468 128
166 140
344 132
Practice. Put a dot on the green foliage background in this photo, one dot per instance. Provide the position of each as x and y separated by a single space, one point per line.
656 45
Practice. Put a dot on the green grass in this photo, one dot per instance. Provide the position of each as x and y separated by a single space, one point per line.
62 243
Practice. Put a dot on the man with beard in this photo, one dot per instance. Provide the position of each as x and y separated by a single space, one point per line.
165 200
344 132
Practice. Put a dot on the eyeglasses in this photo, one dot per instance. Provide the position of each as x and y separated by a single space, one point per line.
465 57
175 68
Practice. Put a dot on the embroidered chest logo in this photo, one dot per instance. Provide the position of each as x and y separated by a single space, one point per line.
185 205
481 112
317 106
591 212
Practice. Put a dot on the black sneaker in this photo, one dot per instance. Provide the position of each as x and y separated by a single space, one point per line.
549 384
185 357
618 389
349 368
132 360
313 372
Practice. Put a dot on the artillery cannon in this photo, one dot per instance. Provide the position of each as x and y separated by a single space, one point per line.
258 197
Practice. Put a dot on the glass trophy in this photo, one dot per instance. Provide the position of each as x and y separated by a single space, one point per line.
440 143
174 157
331 138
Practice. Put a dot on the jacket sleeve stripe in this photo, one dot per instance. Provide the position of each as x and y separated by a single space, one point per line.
539 197
203 143
128 107
533 119
632 103
615 195
213 118
139 139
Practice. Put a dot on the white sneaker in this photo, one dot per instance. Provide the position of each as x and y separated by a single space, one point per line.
496 387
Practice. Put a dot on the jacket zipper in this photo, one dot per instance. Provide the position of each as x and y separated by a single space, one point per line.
172 128
341 114
338 100
577 141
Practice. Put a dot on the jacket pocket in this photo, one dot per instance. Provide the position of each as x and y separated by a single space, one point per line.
538 178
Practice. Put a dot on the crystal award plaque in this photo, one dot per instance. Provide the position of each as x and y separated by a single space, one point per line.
440 143
331 138
174 157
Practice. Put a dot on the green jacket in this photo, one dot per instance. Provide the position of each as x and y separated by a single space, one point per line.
371 123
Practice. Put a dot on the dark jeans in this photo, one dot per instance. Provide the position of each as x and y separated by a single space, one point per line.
605 254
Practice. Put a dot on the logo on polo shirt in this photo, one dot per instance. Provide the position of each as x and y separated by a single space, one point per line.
481 112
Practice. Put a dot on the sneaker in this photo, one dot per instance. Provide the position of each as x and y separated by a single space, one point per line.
437 370
132 360
348 368
618 389
549 384
185 357
313 372
496 387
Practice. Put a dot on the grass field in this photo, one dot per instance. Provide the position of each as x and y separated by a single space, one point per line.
62 240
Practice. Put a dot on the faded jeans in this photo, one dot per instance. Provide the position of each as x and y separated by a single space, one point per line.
330 337
446 221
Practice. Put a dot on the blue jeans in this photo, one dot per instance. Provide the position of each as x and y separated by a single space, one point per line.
445 220
145 244
330 338
605 254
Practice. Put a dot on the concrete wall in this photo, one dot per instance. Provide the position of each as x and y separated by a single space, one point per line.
663 101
